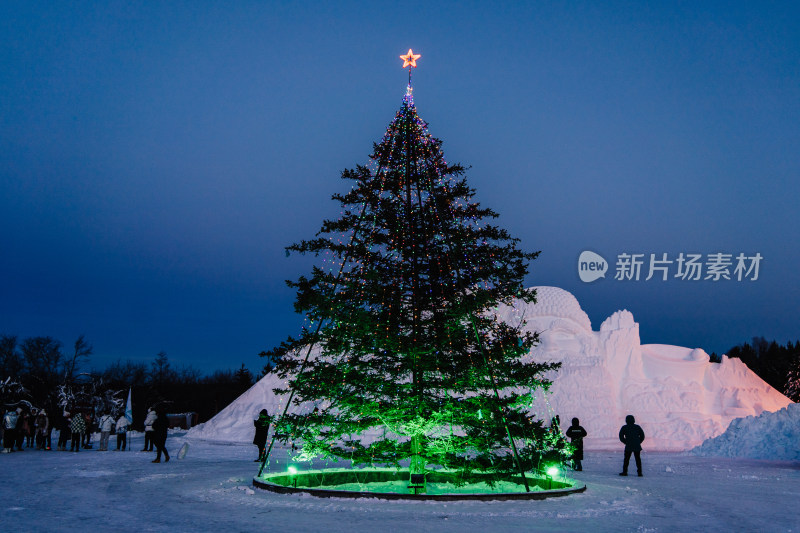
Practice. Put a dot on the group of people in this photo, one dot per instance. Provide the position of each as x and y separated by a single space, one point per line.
21 429
17 429
631 435
75 428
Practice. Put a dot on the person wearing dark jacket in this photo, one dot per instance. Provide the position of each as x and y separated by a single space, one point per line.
64 431
632 435
160 427
576 433
90 421
24 431
29 428
43 430
262 430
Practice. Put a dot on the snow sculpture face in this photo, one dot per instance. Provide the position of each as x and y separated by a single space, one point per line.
582 386
564 328
558 335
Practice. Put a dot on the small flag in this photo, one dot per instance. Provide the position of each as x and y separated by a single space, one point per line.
129 409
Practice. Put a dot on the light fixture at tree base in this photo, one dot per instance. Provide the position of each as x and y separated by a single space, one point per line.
393 484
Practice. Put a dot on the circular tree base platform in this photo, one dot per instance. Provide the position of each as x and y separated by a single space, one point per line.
392 484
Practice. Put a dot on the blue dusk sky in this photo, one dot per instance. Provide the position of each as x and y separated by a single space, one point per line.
157 157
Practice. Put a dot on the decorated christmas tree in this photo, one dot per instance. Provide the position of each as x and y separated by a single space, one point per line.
403 356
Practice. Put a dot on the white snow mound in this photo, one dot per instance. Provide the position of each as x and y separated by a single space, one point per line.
676 394
235 422
770 436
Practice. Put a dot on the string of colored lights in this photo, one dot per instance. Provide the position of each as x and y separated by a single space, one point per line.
424 274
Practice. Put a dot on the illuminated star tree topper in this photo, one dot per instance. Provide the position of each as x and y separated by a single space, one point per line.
410 61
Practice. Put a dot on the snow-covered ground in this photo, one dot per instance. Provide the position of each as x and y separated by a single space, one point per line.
210 490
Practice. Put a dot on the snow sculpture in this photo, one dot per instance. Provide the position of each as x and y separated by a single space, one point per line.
676 394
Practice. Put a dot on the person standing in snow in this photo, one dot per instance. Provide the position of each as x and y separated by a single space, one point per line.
42 431
632 435
262 430
555 425
77 428
122 432
148 430
576 433
29 427
19 444
64 432
89 420
106 424
23 430
160 427
10 429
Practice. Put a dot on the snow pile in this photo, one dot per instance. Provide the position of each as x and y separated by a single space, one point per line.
676 394
766 436
235 422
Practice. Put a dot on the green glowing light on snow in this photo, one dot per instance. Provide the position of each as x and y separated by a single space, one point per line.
292 470
552 471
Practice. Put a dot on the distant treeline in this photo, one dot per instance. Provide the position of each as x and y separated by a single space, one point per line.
39 373
778 365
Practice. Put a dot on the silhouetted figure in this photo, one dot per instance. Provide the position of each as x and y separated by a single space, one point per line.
555 424
26 433
43 429
160 427
576 433
632 435
262 430
90 424
64 431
